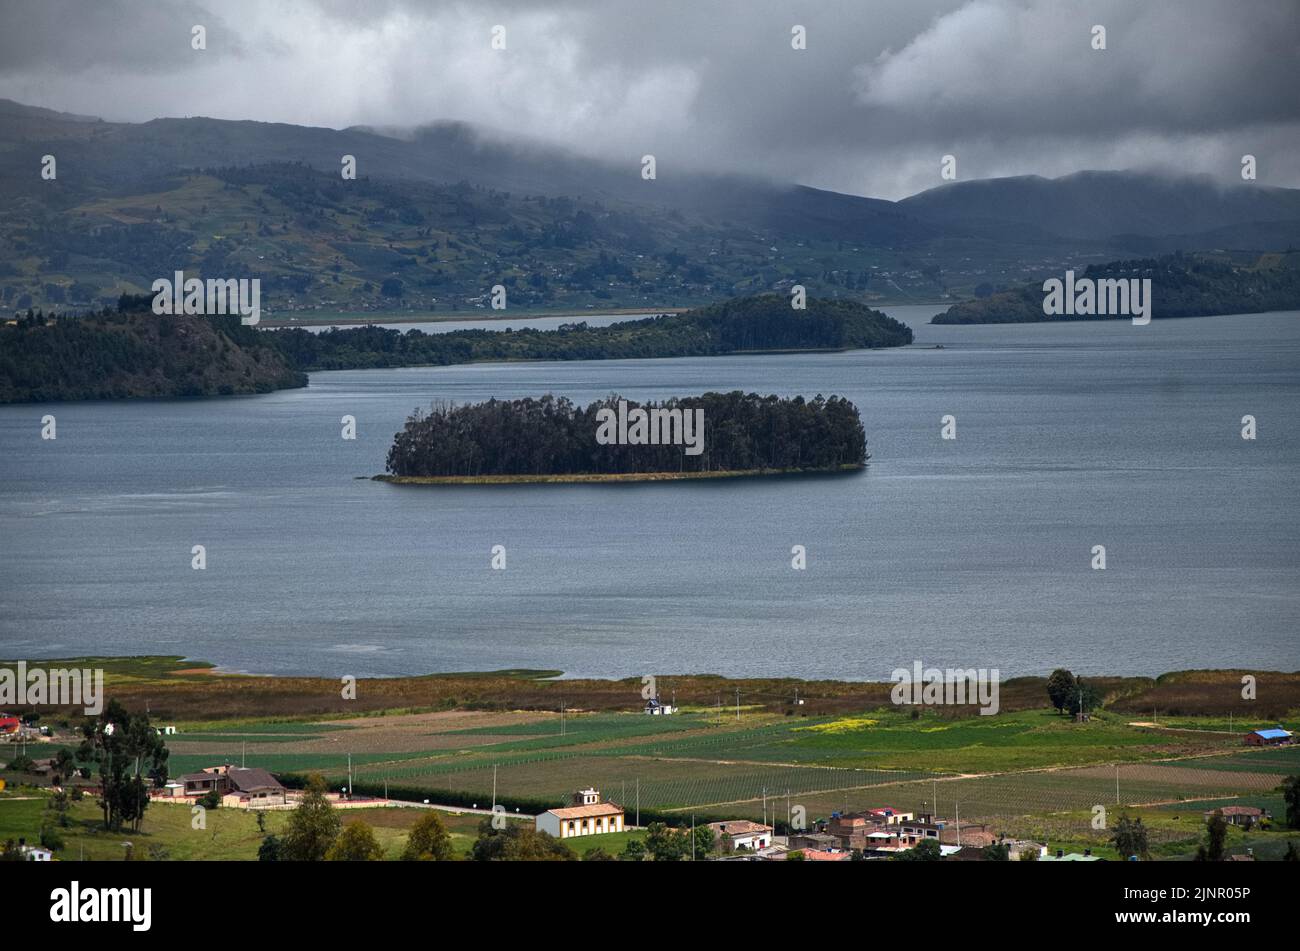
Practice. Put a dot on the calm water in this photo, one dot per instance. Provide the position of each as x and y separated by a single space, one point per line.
972 552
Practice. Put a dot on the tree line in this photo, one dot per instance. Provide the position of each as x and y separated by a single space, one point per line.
554 436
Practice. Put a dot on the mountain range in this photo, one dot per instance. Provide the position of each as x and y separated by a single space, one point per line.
440 214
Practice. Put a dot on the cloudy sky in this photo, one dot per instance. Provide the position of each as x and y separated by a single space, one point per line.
884 89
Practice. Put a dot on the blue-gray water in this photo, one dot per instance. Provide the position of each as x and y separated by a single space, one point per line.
973 553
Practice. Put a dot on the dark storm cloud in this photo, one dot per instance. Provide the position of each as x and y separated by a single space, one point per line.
883 90
72 36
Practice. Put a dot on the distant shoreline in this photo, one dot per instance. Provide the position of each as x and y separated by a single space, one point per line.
578 478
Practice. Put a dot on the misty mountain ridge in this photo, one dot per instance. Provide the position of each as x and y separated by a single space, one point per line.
567 231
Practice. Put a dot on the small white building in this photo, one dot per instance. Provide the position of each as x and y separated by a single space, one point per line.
587 816
655 708
35 853
743 834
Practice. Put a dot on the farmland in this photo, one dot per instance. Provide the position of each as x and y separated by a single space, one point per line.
1027 770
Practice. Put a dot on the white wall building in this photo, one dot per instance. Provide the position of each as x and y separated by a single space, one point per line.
587 816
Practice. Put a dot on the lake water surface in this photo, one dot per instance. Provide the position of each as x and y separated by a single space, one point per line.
973 553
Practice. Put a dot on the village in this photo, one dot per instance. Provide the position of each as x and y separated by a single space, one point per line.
591 817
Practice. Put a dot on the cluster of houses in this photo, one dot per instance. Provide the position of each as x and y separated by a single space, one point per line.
882 832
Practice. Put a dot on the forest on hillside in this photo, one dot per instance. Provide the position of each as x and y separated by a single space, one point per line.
765 322
1181 286
131 352
552 435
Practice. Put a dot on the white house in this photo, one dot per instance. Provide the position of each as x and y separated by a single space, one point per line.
587 816
743 834
654 708
35 853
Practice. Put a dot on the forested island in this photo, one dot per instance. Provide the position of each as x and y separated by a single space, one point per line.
1182 286
552 439
131 352
765 322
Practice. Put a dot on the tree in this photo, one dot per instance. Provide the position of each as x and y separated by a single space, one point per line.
1084 698
269 850
796 856
356 843
1060 685
1216 833
65 764
1130 838
634 851
704 842
927 850
1291 794
313 826
996 852
666 844
211 800
429 841
598 854
131 757
1292 854
518 843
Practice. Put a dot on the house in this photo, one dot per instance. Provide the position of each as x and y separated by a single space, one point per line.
1274 737
10 726
252 788
587 816
887 815
1238 815
821 841
743 834
655 708
206 781
236 785
35 853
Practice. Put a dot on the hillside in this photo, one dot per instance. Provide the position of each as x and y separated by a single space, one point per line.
745 324
120 355
442 213
133 353
1181 286
1116 205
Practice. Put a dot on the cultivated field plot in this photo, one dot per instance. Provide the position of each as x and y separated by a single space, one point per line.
663 784
1045 792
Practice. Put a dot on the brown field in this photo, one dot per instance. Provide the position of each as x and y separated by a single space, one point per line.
185 692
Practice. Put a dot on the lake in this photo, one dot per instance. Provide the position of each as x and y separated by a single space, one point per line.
973 552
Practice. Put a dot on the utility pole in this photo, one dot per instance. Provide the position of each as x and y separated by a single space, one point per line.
494 787
1117 784
349 775
692 837
638 802
957 806
737 703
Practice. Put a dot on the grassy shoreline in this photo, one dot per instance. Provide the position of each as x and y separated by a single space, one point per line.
571 478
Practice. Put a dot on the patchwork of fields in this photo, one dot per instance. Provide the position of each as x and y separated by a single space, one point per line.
1013 766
